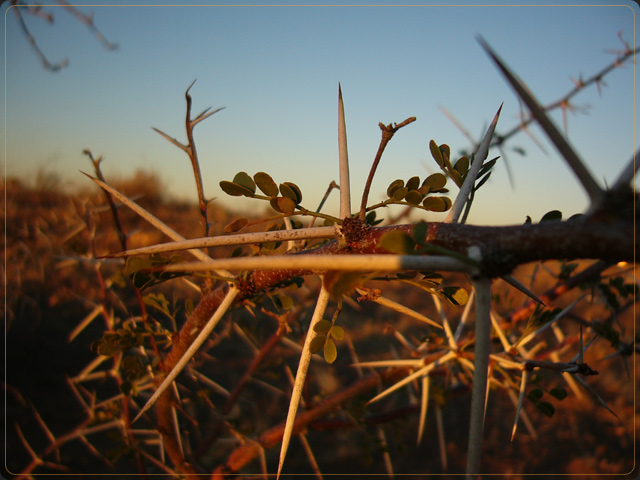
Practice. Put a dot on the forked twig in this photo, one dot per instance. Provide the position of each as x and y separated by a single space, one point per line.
190 150
387 134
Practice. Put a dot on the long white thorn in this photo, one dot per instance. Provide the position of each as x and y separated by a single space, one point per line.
479 391
470 180
424 403
234 239
156 222
301 375
345 188
523 386
193 348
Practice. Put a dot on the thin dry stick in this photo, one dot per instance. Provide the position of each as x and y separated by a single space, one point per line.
190 150
387 134
114 211
233 239
88 21
193 156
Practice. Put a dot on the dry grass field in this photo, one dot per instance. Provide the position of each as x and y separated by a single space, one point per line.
52 285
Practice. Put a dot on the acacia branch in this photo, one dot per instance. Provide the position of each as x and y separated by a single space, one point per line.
604 237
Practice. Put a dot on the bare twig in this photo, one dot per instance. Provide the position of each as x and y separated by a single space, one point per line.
190 150
387 134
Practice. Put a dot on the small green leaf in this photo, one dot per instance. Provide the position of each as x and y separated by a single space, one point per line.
244 180
420 231
337 332
292 191
317 344
413 183
283 205
323 326
330 351
106 349
431 279
414 197
237 224
435 181
436 153
482 181
393 186
552 216
235 190
559 393
446 155
435 204
397 242
135 264
546 408
486 166
370 219
286 301
399 193
462 165
456 295
266 184
535 395
456 177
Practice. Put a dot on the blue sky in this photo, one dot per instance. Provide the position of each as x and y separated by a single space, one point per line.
276 70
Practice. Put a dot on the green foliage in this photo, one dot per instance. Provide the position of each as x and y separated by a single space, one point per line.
552 216
325 331
285 198
414 194
536 394
616 289
457 171
398 242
